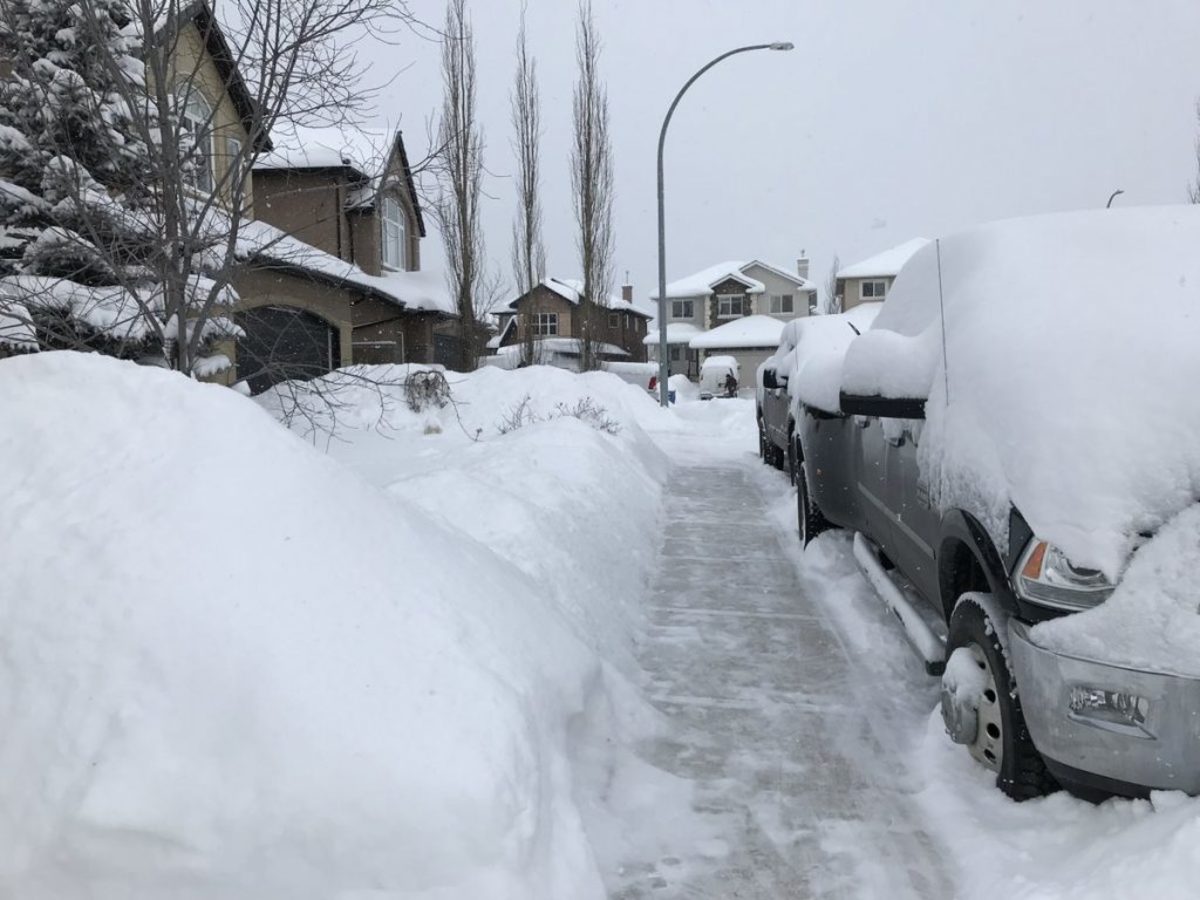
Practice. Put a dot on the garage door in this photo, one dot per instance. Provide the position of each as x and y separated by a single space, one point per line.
282 343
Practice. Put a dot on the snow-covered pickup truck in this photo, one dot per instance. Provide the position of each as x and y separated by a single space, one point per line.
1016 441
807 341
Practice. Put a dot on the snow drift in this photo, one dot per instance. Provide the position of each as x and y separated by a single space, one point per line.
232 668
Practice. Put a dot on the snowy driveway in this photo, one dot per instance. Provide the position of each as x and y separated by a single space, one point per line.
796 750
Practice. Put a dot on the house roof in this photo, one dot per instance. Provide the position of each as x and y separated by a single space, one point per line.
413 291
886 264
571 290
677 333
364 153
749 331
702 283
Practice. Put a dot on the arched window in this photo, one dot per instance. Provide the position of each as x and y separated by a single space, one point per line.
195 121
395 234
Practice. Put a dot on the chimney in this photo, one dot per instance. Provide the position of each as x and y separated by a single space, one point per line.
802 265
627 292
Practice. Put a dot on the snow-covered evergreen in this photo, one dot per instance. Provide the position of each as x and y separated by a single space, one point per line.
83 263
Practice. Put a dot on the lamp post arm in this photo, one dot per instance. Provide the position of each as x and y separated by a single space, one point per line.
664 364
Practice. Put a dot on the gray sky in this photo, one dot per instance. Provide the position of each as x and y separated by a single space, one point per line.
891 119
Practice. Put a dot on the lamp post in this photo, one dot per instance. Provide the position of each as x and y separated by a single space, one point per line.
664 363
1114 196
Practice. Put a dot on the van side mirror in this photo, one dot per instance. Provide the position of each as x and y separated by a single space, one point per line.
882 407
769 381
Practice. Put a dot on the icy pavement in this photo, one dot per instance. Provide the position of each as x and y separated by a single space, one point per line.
794 747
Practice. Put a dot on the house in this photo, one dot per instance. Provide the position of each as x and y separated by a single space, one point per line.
700 306
333 264
870 280
555 313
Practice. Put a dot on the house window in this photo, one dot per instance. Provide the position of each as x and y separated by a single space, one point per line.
781 304
675 353
614 320
682 309
545 324
730 306
233 160
395 234
874 290
195 123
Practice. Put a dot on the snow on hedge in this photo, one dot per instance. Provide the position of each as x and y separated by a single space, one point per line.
1071 346
235 668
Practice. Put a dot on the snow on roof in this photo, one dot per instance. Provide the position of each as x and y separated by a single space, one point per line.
885 264
719 362
1045 363
749 331
424 291
364 150
571 290
677 333
700 284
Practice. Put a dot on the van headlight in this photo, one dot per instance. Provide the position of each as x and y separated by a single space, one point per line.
1046 576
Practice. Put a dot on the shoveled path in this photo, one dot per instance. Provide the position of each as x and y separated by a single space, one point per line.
770 714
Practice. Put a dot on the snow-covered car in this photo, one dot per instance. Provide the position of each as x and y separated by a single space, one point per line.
811 340
715 373
1017 441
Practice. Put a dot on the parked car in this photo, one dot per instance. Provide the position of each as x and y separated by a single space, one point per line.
807 341
1016 441
715 375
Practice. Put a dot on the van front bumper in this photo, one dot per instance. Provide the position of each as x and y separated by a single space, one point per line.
1108 728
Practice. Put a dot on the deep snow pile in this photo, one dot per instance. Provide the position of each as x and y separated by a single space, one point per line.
1070 379
232 668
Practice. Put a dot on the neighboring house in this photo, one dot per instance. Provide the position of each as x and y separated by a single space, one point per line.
554 313
704 308
870 280
333 274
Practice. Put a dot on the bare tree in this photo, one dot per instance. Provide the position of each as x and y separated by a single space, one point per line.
591 186
460 137
528 252
156 241
833 300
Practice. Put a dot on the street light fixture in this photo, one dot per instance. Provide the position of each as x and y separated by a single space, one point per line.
664 364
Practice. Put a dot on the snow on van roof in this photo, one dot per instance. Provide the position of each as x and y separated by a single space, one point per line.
749 331
1060 402
885 264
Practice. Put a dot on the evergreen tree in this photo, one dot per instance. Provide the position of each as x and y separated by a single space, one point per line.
77 234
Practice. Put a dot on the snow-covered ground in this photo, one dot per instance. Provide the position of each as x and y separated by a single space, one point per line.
433 655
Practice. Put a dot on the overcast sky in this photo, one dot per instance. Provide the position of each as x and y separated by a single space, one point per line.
891 118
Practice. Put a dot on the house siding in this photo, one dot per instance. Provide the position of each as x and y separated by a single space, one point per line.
307 204
850 289
776 284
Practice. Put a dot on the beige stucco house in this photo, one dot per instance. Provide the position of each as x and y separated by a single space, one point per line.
700 305
870 280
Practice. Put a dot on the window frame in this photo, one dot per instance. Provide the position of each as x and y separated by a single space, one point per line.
779 300
690 305
614 320
196 119
739 299
393 233
879 284
544 324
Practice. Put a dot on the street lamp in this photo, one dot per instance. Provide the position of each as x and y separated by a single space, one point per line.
1114 196
664 365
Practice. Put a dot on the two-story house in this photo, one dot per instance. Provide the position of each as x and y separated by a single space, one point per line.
870 280
555 314
733 308
335 274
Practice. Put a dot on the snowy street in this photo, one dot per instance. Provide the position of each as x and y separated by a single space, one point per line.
792 745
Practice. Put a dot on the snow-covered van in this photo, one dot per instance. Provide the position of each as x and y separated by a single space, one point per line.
714 374
1016 441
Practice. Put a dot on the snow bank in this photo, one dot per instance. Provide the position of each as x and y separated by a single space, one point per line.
232 668
1061 401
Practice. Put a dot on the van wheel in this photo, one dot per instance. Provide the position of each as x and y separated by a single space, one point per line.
809 518
980 705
